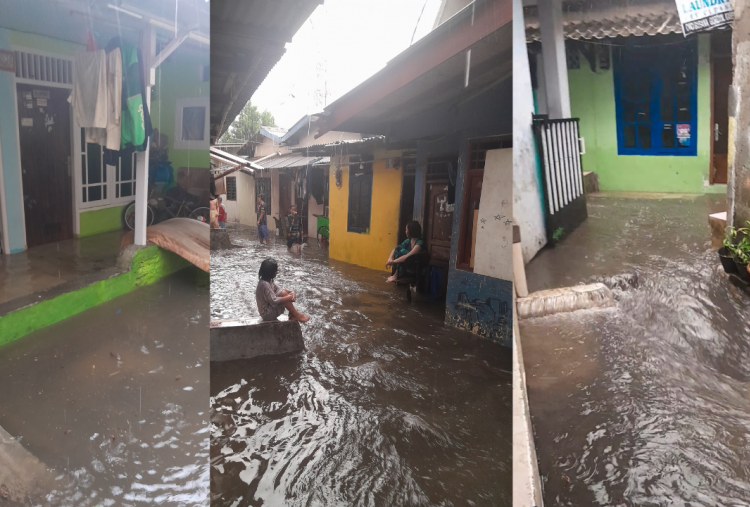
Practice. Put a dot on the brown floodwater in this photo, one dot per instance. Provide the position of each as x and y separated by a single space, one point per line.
387 406
114 401
646 403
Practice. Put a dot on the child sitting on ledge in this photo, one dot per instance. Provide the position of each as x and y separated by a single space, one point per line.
271 299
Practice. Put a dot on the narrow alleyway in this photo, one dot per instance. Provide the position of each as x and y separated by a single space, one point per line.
386 407
646 403
113 400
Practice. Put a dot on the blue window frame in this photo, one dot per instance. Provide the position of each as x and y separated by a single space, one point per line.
655 96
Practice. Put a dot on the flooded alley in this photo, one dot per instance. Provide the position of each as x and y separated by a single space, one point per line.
645 403
113 401
387 406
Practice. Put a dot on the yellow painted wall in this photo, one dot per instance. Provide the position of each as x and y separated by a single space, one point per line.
368 250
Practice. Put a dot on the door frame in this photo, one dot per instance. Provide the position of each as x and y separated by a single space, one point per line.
75 135
712 70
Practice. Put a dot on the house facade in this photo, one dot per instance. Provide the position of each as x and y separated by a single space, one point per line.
652 104
444 160
74 193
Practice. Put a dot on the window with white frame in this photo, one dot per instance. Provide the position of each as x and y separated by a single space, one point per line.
191 124
103 184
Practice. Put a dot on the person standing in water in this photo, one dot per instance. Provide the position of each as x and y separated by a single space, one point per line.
293 226
222 214
272 300
214 212
262 221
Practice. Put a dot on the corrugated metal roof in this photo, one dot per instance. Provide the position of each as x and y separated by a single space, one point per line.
275 133
288 161
324 146
610 18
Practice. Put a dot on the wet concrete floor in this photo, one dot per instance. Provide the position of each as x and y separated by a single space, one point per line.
387 406
114 400
41 268
646 403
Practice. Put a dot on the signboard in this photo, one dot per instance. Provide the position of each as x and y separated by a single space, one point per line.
702 15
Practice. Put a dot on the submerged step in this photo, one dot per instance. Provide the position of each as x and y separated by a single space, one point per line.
220 239
245 339
565 299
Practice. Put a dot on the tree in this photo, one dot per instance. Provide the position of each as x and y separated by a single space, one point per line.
247 124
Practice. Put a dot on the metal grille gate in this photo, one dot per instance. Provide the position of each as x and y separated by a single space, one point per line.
562 175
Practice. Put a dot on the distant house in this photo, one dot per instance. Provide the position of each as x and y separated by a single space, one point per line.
286 171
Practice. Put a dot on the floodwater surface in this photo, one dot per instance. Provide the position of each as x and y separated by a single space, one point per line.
647 403
114 400
386 407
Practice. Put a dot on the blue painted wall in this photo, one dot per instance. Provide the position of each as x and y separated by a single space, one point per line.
476 303
13 197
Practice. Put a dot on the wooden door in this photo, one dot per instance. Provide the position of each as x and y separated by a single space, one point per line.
285 199
439 222
406 210
722 80
44 116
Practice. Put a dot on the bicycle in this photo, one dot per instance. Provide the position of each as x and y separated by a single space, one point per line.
202 214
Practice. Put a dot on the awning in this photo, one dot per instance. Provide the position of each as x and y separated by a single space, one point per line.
290 161
431 72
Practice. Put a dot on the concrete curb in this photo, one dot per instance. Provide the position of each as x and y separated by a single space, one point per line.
248 341
25 477
527 484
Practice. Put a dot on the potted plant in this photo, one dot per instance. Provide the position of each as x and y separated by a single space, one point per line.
727 250
741 252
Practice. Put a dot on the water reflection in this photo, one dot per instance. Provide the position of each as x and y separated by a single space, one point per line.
386 407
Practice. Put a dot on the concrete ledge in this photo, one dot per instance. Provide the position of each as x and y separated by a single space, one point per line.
590 182
245 341
220 239
25 477
527 483
148 265
718 222
565 299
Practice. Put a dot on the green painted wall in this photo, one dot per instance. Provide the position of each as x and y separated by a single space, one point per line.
149 264
101 220
178 78
592 100
42 43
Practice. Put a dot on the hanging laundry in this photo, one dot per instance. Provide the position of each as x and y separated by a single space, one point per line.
135 121
110 137
89 97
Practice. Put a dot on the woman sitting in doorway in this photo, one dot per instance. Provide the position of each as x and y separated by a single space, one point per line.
411 246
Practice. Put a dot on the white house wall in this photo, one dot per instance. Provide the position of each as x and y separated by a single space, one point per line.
246 199
527 193
494 243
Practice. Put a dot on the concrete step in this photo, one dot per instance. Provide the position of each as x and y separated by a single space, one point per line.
246 339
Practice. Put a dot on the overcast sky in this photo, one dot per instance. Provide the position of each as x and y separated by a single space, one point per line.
342 44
